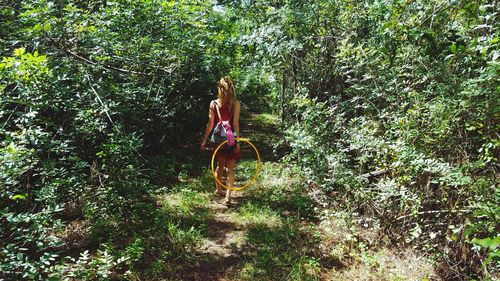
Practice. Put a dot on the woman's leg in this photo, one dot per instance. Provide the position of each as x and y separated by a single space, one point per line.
218 172
230 178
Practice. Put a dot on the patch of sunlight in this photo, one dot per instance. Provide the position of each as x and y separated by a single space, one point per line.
267 119
188 204
279 253
280 188
344 241
182 238
203 183
248 272
385 264
245 171
272 176
252 214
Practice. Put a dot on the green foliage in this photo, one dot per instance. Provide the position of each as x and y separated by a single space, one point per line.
23 67
86 89
99 267
28 249
405 89
491 244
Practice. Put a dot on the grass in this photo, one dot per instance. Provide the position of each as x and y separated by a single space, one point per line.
282 190
268 224
189 207
278 246
268 120
252 214
283 252
279 243
361 254
245 171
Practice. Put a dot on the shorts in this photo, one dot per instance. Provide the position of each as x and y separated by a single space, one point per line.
224 154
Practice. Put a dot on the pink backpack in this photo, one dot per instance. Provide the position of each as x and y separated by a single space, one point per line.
223 131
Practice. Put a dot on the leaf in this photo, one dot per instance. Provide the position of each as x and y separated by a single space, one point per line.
490 243
495 255
453 48
19 196
19 51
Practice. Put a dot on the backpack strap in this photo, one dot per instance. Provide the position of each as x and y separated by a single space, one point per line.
231 113
218 112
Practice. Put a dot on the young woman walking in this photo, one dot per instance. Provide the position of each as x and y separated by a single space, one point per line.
227 108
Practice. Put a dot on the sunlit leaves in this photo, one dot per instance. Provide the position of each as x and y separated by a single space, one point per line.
23 67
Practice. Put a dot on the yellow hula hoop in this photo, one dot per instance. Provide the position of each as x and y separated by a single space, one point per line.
250 181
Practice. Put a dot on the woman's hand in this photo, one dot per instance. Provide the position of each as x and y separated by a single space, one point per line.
237 148
203 145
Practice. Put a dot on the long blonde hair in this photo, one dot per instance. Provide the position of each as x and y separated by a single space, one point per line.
225 92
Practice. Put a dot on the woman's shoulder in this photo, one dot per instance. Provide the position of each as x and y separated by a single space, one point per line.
236 107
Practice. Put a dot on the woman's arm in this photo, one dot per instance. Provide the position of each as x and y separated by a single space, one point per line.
209 128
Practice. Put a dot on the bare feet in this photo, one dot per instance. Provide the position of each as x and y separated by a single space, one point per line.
227 201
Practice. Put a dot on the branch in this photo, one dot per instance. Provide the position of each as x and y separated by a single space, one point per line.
100 101
435 212
436 12
107 67
375 173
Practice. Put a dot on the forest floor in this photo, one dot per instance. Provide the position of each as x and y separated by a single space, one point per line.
275 230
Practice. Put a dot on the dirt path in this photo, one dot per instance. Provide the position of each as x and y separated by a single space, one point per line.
221 251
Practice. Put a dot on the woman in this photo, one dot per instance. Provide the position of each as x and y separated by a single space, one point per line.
229 109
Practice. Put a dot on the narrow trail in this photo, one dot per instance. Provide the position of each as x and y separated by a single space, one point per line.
222 249
273 230
230 244
223 246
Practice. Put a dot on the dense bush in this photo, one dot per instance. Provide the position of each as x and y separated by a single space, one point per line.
85 87
405 90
